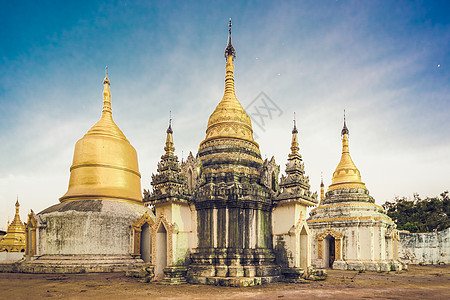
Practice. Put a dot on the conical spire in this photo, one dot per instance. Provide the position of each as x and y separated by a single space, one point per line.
346 174
168 183
294 143
229 119
295 186
106 125
169 147
16 221
106 94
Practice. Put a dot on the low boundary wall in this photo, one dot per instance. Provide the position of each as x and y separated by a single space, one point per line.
425 248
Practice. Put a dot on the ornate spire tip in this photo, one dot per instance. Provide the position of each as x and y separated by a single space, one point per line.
229 50
344 129
169 129
294 130
106 80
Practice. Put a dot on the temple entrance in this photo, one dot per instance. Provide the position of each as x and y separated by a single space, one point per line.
304 249
145 248
161 251
330 254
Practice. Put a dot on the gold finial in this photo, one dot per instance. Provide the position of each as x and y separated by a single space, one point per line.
106 94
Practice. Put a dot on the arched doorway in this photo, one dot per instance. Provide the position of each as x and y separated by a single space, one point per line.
161 251
145 249
330 251
304 249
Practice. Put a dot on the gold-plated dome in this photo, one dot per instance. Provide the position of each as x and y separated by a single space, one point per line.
346 174
15 238
105 165
229 119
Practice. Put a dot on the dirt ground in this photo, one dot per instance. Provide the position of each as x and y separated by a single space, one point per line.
419 282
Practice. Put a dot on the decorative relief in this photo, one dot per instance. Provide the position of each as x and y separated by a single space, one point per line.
269 174
251 145
337 243
320 249
351 218
333 233
137 228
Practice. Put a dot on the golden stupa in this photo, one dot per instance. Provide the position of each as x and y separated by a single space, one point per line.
346 174
229 119
105 165
15 238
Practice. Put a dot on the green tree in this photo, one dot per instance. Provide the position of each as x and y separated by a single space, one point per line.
420 215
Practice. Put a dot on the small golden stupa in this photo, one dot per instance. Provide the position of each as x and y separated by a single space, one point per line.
15 238
105 165
346 174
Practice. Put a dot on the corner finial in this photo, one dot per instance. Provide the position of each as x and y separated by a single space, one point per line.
321 179
294 130
169 130
344 129
229 50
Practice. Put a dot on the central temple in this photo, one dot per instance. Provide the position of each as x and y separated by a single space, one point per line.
233 206
231 222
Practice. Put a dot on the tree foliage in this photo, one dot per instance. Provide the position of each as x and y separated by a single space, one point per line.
420 215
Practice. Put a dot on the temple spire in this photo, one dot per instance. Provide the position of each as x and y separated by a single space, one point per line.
344 129
294 143
229 50
106 94
169 147
346 174
294 130
321 188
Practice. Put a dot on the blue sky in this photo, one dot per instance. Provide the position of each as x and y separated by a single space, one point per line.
385 62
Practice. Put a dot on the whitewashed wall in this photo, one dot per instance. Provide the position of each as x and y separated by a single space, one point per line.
425 248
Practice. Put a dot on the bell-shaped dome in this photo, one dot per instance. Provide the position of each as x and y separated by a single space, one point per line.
105 165
346 174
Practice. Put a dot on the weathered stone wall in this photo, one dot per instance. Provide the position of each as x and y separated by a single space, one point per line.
425 248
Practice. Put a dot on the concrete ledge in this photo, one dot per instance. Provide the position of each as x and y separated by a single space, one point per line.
71 264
